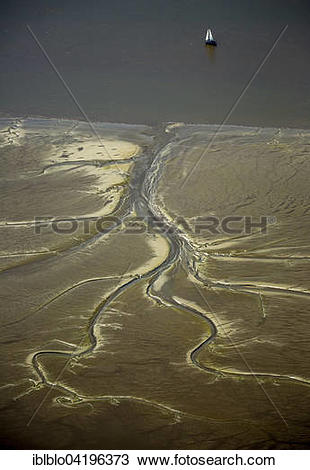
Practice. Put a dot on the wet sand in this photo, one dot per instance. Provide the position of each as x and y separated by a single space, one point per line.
112 339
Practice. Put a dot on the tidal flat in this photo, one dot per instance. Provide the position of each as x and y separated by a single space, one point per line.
174 334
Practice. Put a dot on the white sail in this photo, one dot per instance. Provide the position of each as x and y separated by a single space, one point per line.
209 36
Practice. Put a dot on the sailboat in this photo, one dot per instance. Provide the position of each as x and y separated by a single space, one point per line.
210 41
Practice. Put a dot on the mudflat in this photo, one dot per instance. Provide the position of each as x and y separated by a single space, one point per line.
154 286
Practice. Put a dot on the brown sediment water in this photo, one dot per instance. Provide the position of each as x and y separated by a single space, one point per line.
147 338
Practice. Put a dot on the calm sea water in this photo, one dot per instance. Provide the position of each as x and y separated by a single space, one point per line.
145 61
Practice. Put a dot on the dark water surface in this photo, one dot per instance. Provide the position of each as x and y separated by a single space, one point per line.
145 61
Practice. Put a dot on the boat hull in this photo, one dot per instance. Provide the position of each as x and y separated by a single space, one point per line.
211 42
